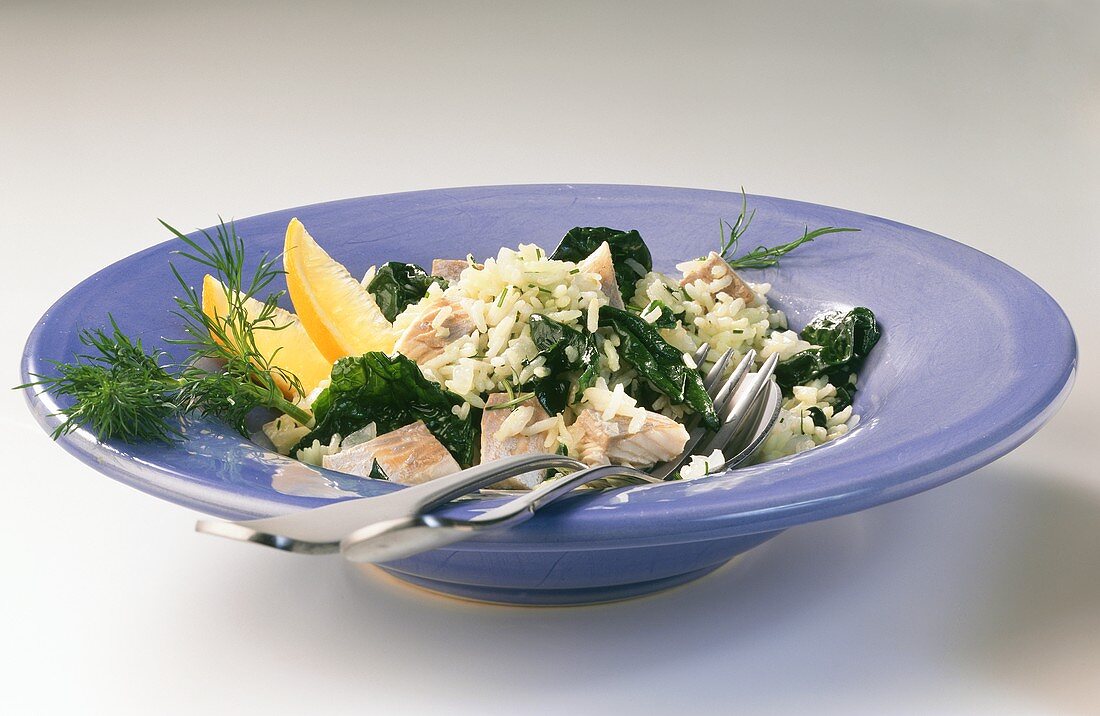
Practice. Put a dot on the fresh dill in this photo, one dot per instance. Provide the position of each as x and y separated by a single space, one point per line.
762 256
120 391
736 229
248 379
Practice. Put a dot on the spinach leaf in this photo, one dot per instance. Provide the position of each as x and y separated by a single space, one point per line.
629 254
553 339
659 362
398 285
844 340
817 416
392 393
843 337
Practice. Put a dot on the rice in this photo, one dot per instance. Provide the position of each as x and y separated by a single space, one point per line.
500 298
501 356
515 423
541 426
315 453
795 431
702 465
710 315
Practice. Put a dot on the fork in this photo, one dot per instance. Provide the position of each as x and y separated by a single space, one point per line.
319 530
735 400
401 523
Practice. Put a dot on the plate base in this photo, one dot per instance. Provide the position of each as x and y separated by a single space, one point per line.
549 597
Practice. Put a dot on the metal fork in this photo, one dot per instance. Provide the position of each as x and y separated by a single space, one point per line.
736 400
415 533
321 530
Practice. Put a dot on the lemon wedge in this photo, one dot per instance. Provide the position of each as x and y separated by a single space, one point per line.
289 347
337 312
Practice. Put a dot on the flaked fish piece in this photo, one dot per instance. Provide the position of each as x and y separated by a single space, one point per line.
439 324
502 436
409 456
451 269
599 261
714 270
603 441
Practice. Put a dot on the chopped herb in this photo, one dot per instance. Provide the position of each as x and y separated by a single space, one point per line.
512 401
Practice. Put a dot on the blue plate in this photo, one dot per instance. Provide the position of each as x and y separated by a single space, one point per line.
974 359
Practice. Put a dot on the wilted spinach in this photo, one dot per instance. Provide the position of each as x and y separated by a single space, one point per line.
377 473
629 254
396 286
661 364
817 415
843 341
391 393
554 339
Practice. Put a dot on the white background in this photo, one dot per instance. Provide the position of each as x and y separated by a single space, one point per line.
977 120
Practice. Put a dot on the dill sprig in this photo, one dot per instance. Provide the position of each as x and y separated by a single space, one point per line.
762 256
121 391
118 391
249 379
736 229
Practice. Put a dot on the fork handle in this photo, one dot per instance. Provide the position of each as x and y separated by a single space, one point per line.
403 537
319 530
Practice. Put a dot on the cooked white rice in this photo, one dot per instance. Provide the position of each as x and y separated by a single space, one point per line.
500 355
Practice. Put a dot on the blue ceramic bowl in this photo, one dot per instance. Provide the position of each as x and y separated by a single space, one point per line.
974 359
